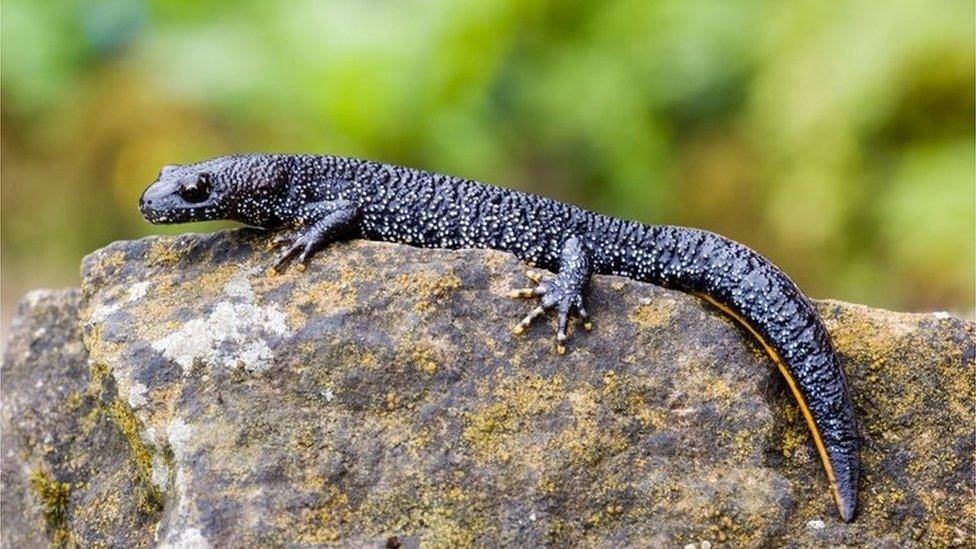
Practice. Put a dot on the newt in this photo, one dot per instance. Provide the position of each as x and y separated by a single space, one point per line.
315 200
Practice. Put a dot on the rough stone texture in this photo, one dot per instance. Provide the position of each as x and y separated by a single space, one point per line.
381 393
67 471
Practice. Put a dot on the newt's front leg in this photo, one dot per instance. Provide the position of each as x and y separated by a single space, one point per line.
563 292
317 225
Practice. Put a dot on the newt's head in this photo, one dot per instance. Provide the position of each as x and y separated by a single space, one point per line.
246 188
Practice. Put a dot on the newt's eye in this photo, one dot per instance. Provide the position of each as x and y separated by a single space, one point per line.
196 191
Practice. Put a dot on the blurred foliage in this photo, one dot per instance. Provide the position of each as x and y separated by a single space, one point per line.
836 138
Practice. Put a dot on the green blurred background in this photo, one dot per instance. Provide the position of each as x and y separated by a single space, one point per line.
837 138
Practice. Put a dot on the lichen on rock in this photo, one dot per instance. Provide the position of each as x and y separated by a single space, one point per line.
233 333
381 394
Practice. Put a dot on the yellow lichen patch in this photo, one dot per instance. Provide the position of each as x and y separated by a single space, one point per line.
423 355
604 494
495 261
166 395
586 440
151 499
652 314
322 524
152 315
647 416
54 498
434 511
165 251
74 401
103 352
429 287
425 361
869 333
326 296
366 359
940 533
210 280
392 400
445 513
961 390
352 356
98 372
90 420
420 440
303 438
108 266
729 504
491 430
794 439
698 379
546 484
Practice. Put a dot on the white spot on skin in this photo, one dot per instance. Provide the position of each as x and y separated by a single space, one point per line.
816 524
941 315
235 332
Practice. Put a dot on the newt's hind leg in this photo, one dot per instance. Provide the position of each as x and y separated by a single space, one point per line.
562 292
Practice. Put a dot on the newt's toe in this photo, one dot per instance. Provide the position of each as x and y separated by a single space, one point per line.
523 293
533 314
584 316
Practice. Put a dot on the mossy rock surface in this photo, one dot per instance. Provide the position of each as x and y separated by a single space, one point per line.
188 399
68 476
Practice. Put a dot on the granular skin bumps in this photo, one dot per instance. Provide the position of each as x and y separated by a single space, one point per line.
317 200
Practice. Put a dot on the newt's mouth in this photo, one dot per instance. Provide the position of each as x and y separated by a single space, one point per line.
163 216
161 204
156 218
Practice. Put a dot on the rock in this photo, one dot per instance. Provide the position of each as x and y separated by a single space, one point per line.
381 399
68 474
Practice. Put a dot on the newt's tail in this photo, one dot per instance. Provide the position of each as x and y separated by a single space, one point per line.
750 289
